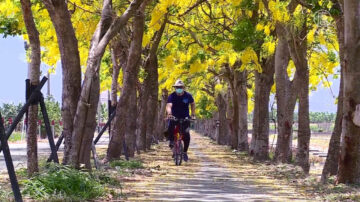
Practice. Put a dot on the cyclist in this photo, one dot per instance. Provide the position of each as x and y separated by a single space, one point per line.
178 106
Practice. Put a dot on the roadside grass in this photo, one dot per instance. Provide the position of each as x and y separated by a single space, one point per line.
21 173
15 137
123 164
310 184
56 182
4 194
63 182
292 176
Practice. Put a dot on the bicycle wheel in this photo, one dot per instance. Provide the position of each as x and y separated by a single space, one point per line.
175 149
179 153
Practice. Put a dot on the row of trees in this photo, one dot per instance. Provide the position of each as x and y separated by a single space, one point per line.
10 110
232 54
299 62
315 117
79 102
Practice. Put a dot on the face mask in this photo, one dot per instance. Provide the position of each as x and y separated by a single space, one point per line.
179 90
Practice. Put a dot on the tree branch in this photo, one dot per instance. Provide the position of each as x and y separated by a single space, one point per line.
158 36
193 35
86 10
212 94
192 7
118 23
305 4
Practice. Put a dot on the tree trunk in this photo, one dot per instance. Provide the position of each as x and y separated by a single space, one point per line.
241 88
33 75
221 105
331 163
229 113
263 84
156 123
119 55
302 155
130 80
149 95
235 122
130 135
332 159
285 98
298 51
70 63
152 70
130 130
234 126
161 114
115 76
85 118
144 96
349 164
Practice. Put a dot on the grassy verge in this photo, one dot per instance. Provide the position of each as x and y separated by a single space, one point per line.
3 193
15 136
291 175
309 184
132 164
62 182
57 182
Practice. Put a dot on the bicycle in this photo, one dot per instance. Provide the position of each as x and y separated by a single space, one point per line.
178 149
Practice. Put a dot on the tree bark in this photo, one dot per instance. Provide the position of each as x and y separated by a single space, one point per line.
241 88
141 142
130 80
85 118
115 76
33 75
229 113
332 159
70 63
151 68
331 163
349 164
234 126
161 115
119 55
130 135
130 129
298 50
285 98
263 84
221 138
152 102
302 155
149 95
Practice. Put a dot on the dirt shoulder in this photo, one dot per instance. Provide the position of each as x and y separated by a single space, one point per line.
213 173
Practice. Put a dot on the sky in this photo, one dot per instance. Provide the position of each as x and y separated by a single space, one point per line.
14 69
13 72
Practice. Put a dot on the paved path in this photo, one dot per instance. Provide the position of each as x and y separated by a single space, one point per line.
212 174
18 152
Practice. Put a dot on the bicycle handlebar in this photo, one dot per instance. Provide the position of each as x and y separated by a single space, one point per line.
186 119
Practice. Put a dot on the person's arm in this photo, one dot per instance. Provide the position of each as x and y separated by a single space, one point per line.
193 113
169 106
168 109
